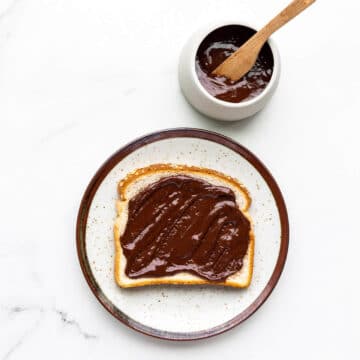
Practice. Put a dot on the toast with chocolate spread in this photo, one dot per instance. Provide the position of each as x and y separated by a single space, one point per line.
182 225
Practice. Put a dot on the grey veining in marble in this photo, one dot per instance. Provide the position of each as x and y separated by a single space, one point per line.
81 78
40 312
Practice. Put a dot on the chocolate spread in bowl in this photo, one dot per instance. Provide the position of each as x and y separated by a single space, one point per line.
181 223
218 46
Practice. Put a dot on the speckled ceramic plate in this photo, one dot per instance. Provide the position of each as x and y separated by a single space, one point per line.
182 312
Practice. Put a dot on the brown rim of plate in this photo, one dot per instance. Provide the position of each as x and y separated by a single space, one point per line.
107 167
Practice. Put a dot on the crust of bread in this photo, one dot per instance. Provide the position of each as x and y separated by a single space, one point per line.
135 182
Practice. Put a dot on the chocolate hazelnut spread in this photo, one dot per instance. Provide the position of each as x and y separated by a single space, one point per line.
181 223
219 45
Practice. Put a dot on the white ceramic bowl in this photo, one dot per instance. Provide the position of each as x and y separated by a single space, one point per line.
201 100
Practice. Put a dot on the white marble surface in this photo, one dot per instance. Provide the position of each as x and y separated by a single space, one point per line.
77 81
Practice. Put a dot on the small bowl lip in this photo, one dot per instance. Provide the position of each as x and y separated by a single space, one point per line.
210 27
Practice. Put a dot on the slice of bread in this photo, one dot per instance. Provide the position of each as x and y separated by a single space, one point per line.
135 182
